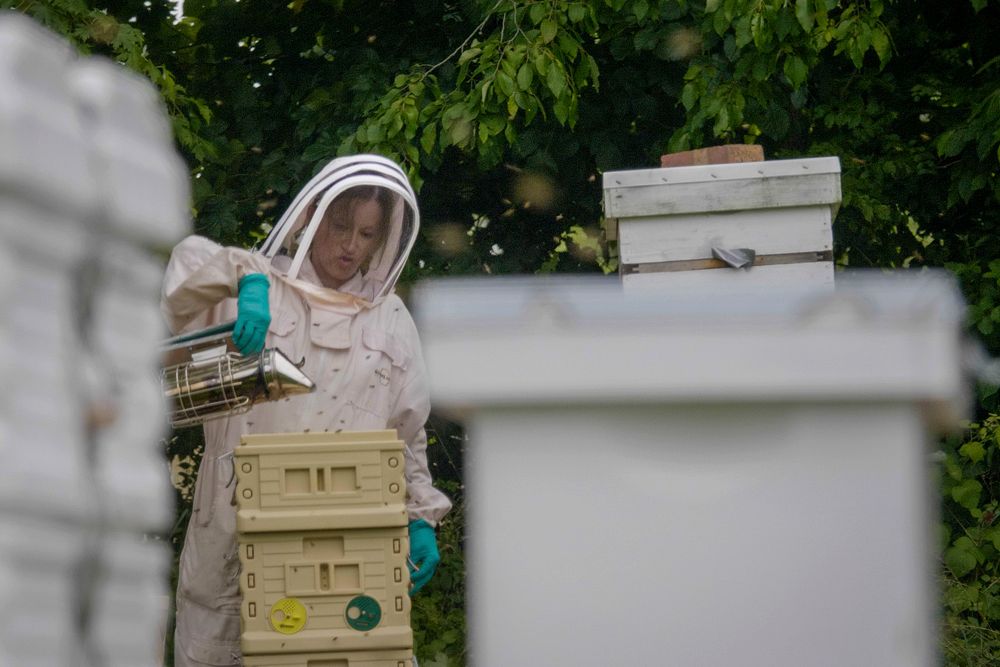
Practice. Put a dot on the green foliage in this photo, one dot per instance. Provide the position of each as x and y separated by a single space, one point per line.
524 60
970 542
438 615
586 246
982 287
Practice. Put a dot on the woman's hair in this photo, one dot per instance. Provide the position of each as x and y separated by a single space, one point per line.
364 193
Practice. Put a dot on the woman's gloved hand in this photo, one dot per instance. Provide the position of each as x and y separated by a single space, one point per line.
424 556
253 316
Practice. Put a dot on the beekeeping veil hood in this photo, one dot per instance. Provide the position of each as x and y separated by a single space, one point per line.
287 246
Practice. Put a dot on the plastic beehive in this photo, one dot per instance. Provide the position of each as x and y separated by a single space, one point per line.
344 659
302 481
676 226
321 523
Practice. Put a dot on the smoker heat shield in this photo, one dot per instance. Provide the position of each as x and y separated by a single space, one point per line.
205 378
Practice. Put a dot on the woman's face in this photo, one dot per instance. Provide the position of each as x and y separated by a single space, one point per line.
345 240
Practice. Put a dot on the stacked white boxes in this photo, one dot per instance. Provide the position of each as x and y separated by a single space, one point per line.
748 226
91 190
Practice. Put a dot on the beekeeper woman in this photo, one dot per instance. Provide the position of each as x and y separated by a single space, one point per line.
321 289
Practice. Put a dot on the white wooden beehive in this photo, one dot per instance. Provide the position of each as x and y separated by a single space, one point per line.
674 224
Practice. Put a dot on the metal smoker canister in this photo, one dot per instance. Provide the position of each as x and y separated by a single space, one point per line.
204 378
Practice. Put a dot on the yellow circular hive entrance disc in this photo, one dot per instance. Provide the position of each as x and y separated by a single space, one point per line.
288 616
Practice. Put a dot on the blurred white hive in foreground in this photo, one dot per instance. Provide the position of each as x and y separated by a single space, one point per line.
90 189
698 479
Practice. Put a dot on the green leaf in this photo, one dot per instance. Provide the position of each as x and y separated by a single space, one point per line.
804 14
549 30
505 84
722 122
959 561
720 23
469 54
525 75
640 8
993 535
741 27
577 13
556 80
973 451
796 70
880 42
376 132
561 109
568 45
541 64
428 138
689 96
646 39
951 142
966 493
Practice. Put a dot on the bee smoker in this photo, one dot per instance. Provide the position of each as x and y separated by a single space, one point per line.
204 377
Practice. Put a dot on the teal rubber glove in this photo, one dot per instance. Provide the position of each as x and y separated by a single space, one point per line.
253 315
424 556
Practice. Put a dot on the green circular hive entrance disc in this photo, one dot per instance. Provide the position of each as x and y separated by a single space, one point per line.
363 613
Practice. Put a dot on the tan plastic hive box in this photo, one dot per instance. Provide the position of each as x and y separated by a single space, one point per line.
323 541
347 659
325 572
300 481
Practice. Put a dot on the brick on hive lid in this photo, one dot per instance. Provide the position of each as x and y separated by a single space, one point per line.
714 155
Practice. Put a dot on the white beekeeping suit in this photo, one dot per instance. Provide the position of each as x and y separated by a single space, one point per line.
359 345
